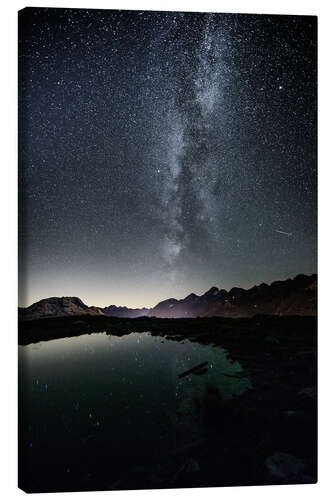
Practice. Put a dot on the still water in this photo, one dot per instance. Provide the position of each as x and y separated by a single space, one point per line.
121 394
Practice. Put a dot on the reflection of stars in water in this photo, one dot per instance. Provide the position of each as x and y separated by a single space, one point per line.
171 357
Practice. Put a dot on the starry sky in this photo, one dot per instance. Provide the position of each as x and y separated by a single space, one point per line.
162 153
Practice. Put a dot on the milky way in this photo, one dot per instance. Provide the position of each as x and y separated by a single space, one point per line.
163 153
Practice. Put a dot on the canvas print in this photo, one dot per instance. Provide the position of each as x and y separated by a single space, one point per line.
167 249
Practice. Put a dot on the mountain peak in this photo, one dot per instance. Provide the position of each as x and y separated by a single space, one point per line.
191 296
212 291
57 307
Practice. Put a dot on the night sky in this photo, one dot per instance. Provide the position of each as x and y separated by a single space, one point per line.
164 153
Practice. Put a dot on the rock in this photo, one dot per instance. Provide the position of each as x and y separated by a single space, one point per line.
271 340
189 466
289 413
307 393
283 467
192 466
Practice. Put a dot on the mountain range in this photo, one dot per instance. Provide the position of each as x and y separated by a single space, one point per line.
296 296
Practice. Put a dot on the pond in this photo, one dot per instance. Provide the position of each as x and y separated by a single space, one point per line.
98 397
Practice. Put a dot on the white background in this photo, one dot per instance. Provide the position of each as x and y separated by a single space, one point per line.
8 246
